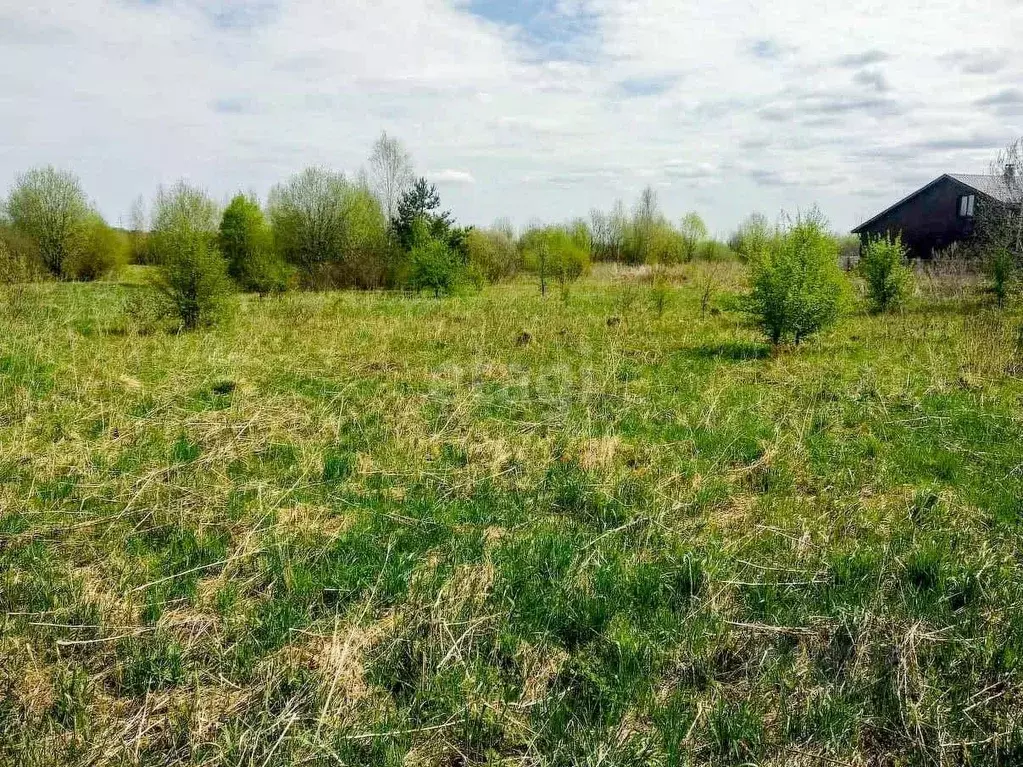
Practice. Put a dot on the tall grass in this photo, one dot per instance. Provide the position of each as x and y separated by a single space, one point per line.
363 528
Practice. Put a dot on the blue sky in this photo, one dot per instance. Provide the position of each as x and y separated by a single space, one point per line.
552 29
537 109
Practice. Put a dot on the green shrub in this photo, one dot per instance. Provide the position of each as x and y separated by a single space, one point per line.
556 252
693 233
1000 266
492 255
715 252
434 266
796 284
192 273
332 230
663 245
371 256
19 257
246 243
883 267
752 237
103 251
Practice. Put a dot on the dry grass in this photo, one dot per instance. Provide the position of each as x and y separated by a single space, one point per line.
494 529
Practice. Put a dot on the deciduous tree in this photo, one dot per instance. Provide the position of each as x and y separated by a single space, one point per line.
50 207
246 242
390 172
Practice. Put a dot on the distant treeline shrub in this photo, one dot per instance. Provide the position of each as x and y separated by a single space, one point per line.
246 242
103 251
560 253
331 230
752 237
493 255
433 264
647 237
322 230
19 257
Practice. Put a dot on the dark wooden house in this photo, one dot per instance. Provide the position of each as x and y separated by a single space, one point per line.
939 214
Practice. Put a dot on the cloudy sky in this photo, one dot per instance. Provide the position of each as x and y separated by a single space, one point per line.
537 108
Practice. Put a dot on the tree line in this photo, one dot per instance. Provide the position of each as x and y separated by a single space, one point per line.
320 229
387 228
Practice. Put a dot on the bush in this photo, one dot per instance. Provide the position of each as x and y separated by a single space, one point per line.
492 255
664 245
19 257
557 252
752 237
332 230
609 232
883 267
713 251
246 243
434 266
103 251
371 257
693 233
1000 266
797 286
192 272
49 207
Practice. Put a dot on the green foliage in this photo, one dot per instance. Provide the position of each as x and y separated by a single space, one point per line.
371 260
609 234
647 236
796 284
246 243
333 231
308 215
433 265
752 237
19 257
50 208
1001 268
492 255
848 250
419 205
192 273
103 251
561 253
692 232
883 267
713 251
644 229
664 245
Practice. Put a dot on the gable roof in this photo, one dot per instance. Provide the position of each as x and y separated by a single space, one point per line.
991 186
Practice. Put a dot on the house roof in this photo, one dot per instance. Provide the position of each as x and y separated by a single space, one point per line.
989 185
992 186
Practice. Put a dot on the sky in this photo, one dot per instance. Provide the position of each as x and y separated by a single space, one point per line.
540 109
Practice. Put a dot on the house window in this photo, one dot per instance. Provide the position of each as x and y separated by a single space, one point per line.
966 203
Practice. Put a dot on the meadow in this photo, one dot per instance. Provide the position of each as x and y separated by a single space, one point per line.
373 528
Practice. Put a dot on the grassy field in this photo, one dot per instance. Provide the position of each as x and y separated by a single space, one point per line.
369 529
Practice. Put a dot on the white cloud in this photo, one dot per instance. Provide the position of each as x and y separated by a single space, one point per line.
726 107
449 176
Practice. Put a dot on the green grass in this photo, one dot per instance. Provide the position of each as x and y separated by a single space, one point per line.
356 528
